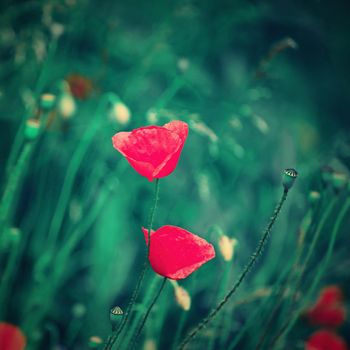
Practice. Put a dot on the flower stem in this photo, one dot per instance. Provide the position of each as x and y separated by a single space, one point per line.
248 267
143 322
114 337
13 184
282 333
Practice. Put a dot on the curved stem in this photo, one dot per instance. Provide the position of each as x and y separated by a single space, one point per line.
114 337
134 342
294 316
248 267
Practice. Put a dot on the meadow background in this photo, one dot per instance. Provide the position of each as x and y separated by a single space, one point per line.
263 85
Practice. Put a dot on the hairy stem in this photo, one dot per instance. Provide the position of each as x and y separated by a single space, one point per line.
246 270
114 337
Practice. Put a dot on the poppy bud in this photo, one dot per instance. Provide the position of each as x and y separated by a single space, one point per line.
227 246
150 344
120 113
289 178
66 106
47 101
115 315
182 297
314 197
32 129
338 181
95 342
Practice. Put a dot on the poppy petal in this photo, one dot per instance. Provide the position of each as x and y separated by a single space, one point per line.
11 337
328 309
153 151
175 253
325 340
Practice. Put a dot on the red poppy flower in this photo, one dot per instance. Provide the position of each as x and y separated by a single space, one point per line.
329 309
80 86
175 253
325 340
11 337
153 151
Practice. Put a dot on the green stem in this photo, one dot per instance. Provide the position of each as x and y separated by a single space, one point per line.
72 171
306 226
7 277
12 186
246 270
295 315
143 322
114 337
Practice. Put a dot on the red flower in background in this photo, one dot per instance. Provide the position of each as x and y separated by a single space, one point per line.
325 340
153 151
11 337
175 253
329 309
80 86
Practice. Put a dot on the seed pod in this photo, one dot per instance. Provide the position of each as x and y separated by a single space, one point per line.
47 101
115 316
32 129
289 178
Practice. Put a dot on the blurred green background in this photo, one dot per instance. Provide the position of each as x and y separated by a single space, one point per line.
263 85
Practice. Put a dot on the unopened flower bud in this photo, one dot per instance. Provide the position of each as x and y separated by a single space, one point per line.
120 113
314 197
95 342
32 129
182 297
339 180
227 246
47 101
289 178
66 106
150 344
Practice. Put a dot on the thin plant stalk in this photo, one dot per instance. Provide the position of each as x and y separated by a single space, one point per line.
240 279
251 320
291 321
145 317
132 326
179 328
114 337
12 186
308 221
